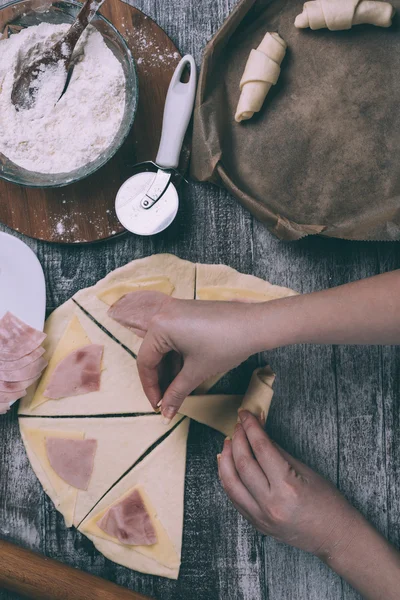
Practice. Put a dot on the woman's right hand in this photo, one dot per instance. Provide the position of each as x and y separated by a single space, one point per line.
205 338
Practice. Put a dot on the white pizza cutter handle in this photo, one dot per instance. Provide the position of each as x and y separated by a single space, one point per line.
177 113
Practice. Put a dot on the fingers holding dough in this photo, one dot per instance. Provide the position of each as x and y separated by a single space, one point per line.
261 72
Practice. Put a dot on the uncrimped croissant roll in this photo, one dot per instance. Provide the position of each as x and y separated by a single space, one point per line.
343 14
261 72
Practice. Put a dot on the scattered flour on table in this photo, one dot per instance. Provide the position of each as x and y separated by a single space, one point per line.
61 137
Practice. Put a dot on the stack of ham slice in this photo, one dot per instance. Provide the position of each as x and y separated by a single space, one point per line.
21 359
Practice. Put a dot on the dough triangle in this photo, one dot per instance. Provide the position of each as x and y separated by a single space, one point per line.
222 283
120 388
63 495
163 272
161 475
121 441
219 411
219 282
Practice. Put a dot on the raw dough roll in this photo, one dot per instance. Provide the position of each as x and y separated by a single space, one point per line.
343 14
257 399
261 72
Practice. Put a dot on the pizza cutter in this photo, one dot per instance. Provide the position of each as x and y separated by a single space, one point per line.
147 203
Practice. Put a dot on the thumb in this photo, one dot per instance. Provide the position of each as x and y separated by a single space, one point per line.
183 384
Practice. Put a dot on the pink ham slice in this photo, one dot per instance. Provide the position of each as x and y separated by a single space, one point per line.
72 460
16 386
13 365
7 398
17 339
35 369
79 373
129 522
122 312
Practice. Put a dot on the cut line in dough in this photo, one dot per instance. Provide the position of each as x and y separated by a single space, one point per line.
120 391
162 474
121 441
166 271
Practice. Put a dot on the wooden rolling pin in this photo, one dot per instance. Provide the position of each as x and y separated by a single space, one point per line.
35 576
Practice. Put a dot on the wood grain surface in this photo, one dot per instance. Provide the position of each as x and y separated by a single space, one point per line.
84 212
336 409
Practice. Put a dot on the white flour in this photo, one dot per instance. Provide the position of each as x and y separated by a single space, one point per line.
61 137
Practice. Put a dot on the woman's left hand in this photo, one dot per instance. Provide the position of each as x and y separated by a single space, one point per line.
281 496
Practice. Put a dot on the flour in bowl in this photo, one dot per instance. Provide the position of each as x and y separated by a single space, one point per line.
59 137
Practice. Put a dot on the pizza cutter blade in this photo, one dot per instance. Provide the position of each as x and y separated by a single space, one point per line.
148 202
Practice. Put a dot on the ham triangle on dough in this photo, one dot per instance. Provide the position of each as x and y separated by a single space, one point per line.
78 373
17 339
72 459
129 522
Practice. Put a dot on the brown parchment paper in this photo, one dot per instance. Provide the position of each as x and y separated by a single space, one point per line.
323 155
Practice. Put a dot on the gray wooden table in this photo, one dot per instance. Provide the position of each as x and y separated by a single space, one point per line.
335 408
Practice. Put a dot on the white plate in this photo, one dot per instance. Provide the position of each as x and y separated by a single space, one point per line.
22 284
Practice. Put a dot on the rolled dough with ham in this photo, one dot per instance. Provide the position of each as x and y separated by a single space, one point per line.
13 365
9 397
17 339
72 459
78 373
16 386
35 369
129 522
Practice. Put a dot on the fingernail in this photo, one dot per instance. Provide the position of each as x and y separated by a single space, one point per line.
218 457
159 404
226 441
243 415
168 415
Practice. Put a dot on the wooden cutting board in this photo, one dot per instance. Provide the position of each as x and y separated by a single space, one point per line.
84 212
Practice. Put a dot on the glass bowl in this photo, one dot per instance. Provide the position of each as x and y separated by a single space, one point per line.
26 13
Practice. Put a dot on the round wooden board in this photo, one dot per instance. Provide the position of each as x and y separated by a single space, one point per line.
84 212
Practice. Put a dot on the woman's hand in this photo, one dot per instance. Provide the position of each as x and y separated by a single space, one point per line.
285 499
204 338
281 496
208 338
